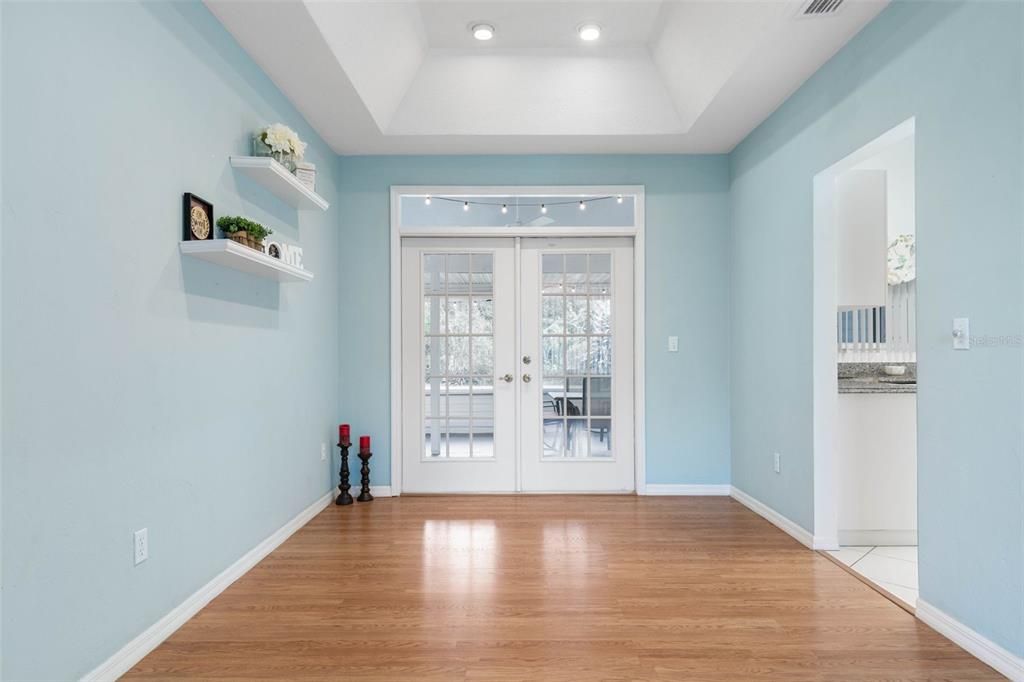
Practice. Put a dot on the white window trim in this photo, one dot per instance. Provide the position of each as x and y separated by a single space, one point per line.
636 231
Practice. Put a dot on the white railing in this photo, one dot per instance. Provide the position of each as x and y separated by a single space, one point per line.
459 407
880 333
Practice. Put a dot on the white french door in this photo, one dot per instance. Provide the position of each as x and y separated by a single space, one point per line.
577 349
517 365
458 348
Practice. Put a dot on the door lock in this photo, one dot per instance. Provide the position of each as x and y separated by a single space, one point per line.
527 360
508 378
527 378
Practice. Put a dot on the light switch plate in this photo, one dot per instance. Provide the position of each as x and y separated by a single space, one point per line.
673 344
961 333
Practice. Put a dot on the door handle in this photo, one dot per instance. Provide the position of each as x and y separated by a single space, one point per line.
527 378
508 378
527 360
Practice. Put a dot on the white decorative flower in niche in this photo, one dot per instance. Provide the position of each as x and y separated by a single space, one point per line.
282 139
902 260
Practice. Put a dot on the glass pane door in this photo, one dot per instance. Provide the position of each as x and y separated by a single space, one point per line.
458 354
458 349
577 321
517 365
576 348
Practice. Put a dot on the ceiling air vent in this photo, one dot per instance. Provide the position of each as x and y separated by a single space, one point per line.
820 8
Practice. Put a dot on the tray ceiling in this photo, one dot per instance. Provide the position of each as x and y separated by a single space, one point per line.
684 76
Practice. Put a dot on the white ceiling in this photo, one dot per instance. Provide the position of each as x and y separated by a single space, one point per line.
406 76
539 24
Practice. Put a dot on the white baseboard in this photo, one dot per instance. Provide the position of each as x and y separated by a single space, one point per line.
685 489
975 644
135 650
520 493
375 490
785 524
825 543
873 538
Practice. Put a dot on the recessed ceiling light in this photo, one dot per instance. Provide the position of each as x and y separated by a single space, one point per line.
483 31
589 32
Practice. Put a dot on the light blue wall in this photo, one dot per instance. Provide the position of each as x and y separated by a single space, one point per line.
687 291
958 69
2 211
142 389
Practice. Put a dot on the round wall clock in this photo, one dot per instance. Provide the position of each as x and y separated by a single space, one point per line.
200 223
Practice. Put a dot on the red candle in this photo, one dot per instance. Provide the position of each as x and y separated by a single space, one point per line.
344 433
364 443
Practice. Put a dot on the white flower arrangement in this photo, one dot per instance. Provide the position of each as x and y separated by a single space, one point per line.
282 140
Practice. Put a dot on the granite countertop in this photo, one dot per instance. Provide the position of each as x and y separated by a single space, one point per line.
868 377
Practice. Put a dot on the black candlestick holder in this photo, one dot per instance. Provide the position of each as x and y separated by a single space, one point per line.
344 497
364 494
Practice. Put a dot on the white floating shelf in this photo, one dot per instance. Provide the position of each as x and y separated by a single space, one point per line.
233 255
280 181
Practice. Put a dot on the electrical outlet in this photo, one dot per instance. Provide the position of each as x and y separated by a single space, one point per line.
673 344
141 545
323 452
777 462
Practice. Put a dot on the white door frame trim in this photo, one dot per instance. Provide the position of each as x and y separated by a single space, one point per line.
823 343
639 294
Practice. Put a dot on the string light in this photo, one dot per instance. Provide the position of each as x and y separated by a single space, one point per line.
503 206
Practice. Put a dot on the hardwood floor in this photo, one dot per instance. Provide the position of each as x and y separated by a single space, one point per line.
552 588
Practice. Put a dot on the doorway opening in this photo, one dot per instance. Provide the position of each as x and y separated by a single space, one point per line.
515 320
865 369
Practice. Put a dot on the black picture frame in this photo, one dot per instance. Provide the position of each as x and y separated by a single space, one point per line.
189 201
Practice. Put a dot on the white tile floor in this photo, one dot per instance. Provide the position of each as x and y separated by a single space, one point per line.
893 568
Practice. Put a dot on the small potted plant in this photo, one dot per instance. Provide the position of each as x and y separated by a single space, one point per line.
281 143
244 231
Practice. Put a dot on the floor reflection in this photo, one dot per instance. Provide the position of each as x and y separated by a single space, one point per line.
567 552
459 557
